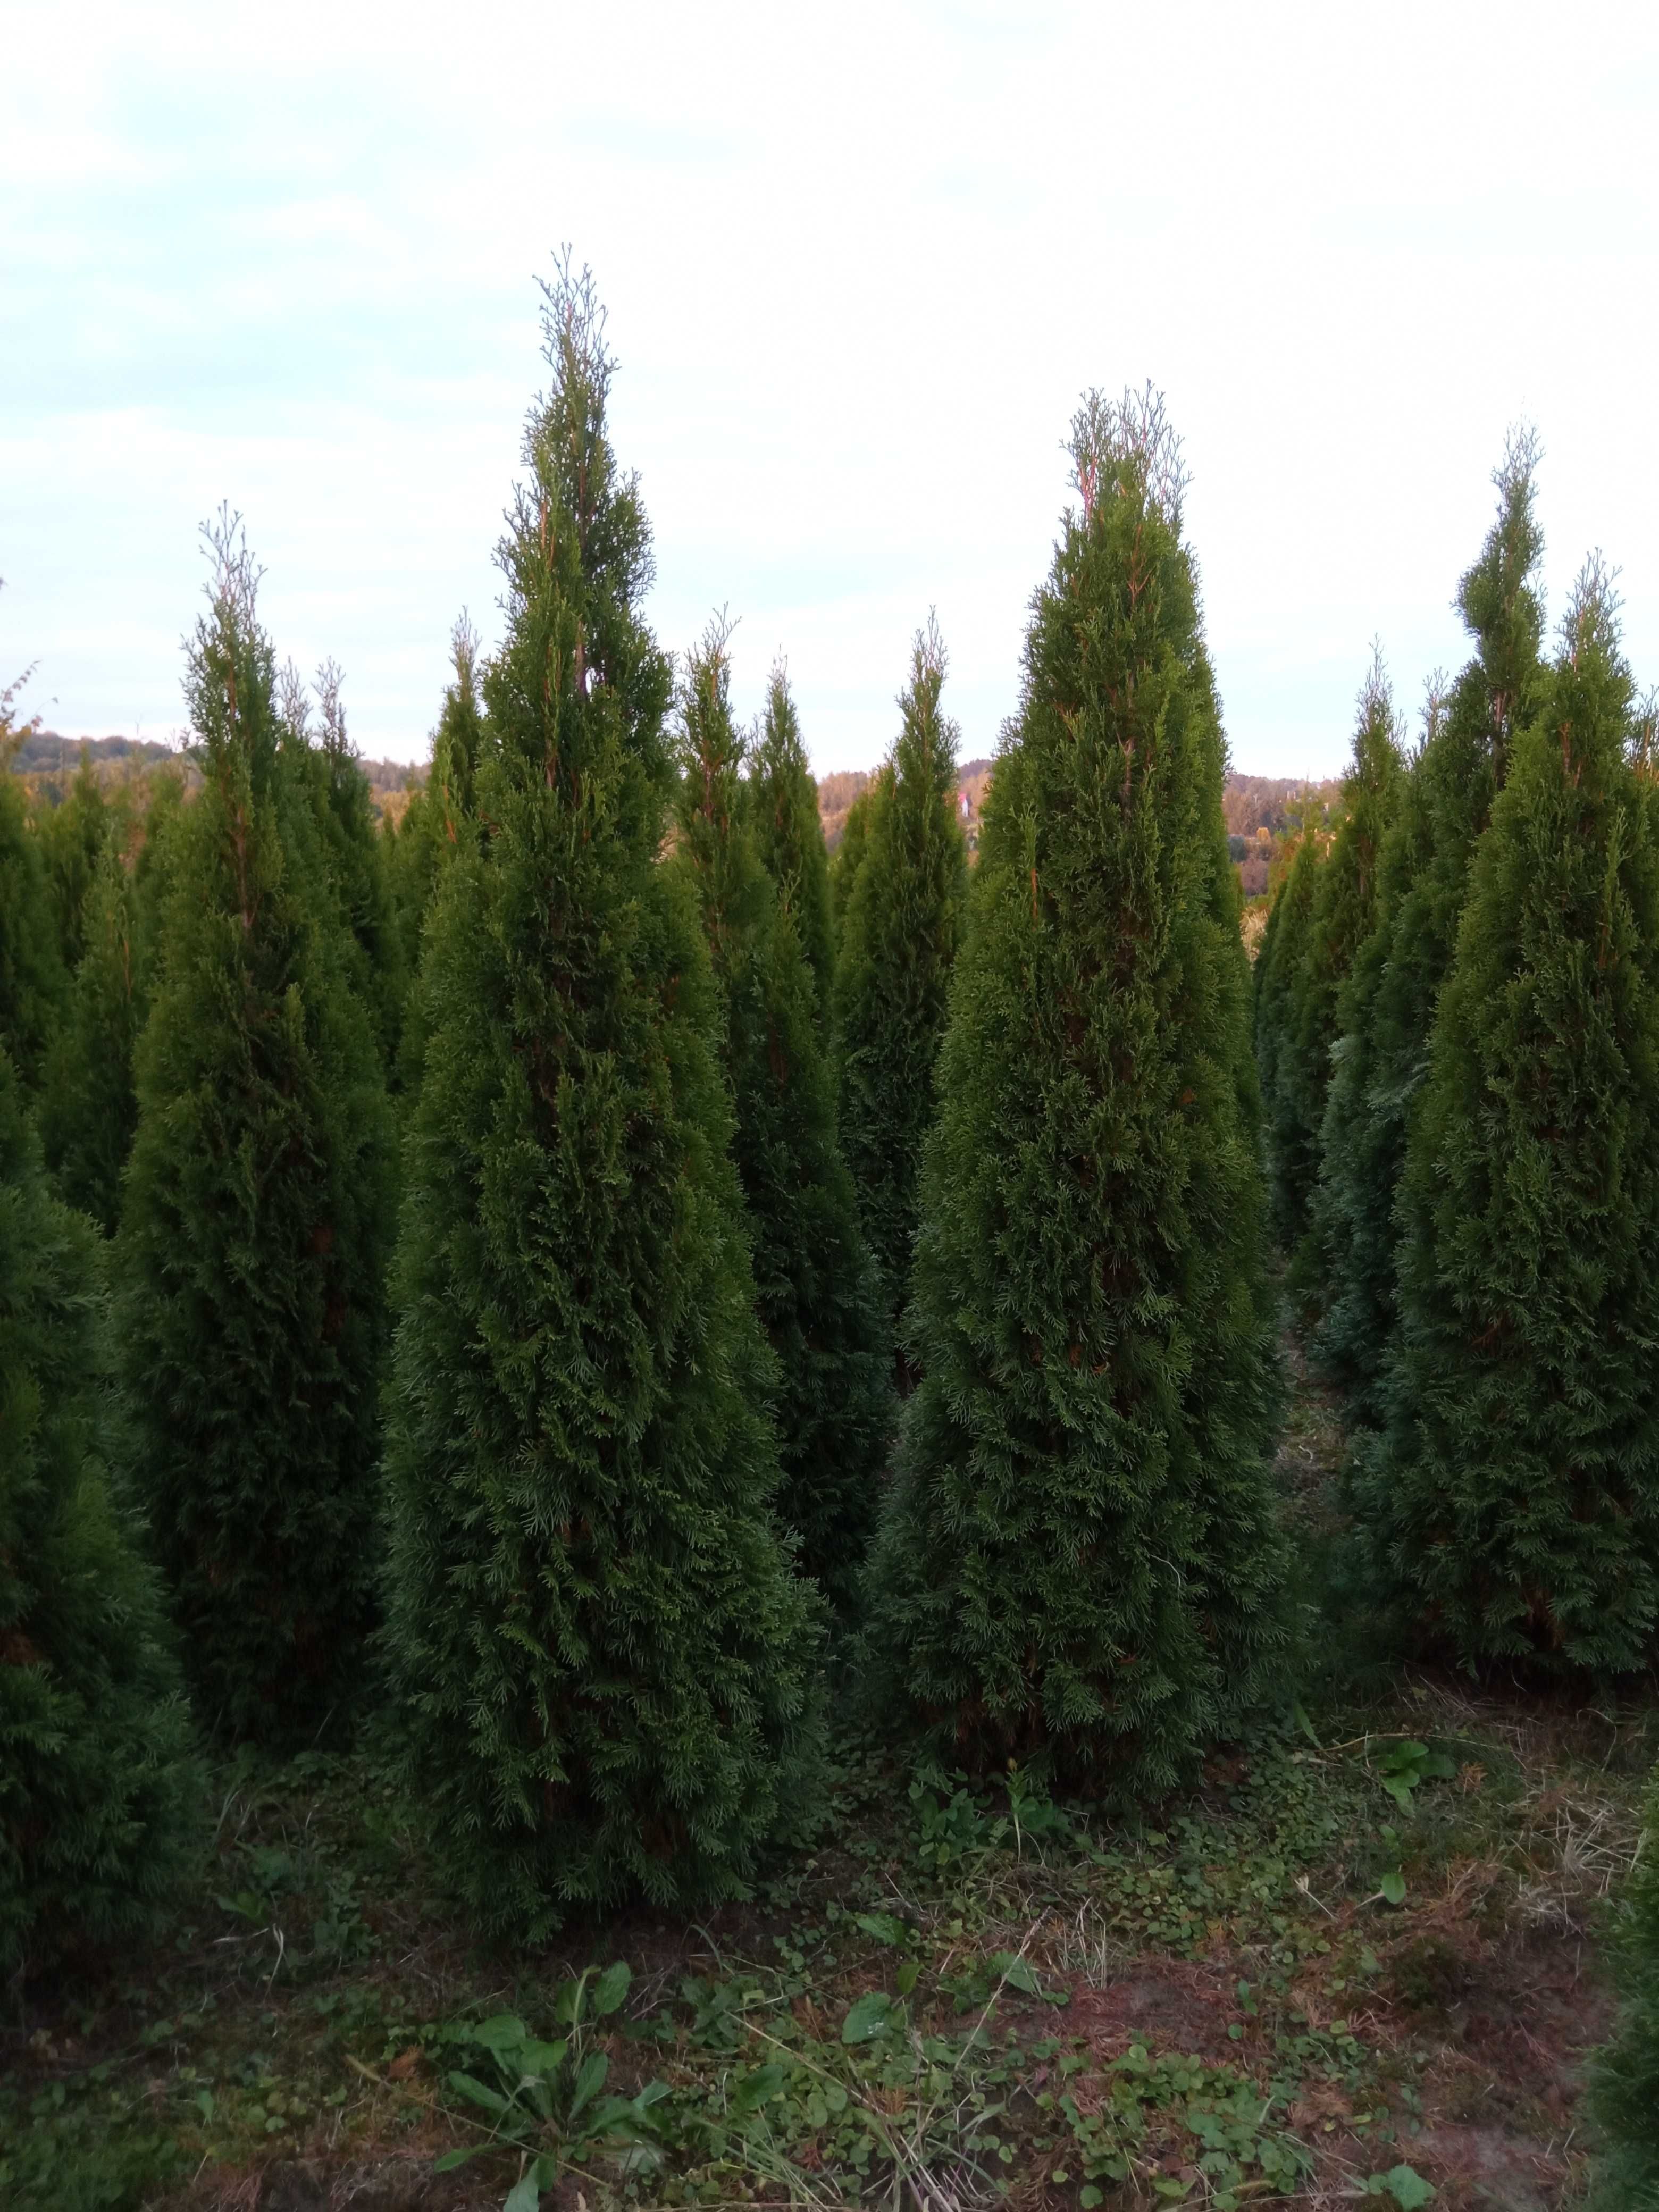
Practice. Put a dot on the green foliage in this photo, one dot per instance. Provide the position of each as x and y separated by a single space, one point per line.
1389 1001
604 1657
254 1224
70 2159
1343 918
90 1111
899 935
1079 1566
89 1105
848 857
1233 2147
353 854
546 2101
783 806
73 838
32 978
1278 996
435 825
815 1288
97 1783
1624 2084
1514 1495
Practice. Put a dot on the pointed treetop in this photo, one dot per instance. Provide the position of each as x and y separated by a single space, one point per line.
1594 696
230 668
1499 597
1378 728
789 831
13 733
713 743
927 741
1127 446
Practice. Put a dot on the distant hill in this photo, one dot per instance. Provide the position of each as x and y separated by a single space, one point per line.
1257 809
48 762
44 752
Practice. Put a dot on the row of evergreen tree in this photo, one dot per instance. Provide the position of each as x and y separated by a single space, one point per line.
551 1272
599 1274
1457 1029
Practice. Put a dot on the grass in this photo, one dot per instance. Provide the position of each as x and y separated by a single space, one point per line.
1358 1965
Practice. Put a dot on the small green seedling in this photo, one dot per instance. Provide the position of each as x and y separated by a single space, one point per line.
1403 2185
1405 1766
545 2100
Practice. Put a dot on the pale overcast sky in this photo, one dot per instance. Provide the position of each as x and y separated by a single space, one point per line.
859 263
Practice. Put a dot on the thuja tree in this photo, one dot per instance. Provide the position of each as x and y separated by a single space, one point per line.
32 978
98 1787
1389 999
73 837
90 1108
848 856
89 1104
603 1653
253 1222
353 859
1623 2083
1515 1494
436 822
815 1283
899 938
789 833
1079 1563
1278 993
1341 920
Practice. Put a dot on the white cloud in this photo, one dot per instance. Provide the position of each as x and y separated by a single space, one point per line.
859 265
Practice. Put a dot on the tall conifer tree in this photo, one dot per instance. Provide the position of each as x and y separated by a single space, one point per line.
604 1653
73 837
1079 1563
899 939
253 1223
789 835
1280 992
98 1779
352 853
90 1110
848 856
1515 1495
1389 1001
33 984
438 823
818 1295
434 823
1343 915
